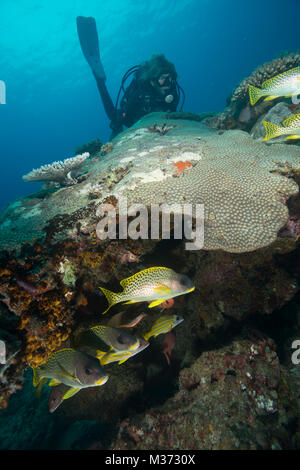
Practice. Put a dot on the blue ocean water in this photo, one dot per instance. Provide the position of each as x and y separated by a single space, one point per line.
52 103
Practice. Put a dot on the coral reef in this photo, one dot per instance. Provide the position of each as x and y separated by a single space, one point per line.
62 172
234 182
93 147
106 148
239 114
221 383
263 73
236 397
162 130
189 116
232 175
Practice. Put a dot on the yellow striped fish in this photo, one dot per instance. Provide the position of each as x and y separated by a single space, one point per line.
290 128
285 84
156 284
164 324
72 368
121 356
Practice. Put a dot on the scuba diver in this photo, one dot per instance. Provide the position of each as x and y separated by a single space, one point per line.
154 86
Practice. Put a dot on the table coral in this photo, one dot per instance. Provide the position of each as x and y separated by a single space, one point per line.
58 172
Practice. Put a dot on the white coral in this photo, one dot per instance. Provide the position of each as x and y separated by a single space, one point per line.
62 172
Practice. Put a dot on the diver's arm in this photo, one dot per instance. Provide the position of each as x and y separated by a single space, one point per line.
173 105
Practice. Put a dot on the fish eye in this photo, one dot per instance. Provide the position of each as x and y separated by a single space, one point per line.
121 340
87 371
183 281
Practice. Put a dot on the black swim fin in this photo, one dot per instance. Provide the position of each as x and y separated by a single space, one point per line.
88 37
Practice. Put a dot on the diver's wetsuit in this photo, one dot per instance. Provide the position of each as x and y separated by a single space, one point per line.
140 98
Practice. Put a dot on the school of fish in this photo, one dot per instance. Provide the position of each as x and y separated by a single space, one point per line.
80 366
284 85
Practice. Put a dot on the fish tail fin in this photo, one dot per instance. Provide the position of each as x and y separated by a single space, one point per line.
111 298
272 130
36 377
254 94
100 354
38 391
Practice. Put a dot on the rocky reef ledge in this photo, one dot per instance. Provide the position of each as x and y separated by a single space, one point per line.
230 382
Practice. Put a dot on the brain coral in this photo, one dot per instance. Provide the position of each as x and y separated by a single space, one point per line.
244 201
243 184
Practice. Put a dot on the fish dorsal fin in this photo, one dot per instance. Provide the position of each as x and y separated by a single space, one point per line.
92 338
61 350
290 120
72 391
125 282
95 328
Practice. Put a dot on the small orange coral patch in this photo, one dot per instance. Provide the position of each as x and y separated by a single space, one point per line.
181 166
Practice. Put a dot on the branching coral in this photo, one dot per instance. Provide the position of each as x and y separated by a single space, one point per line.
161 130
62 172
106 148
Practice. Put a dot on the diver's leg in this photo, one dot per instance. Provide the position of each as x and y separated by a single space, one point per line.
106 99
88 37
